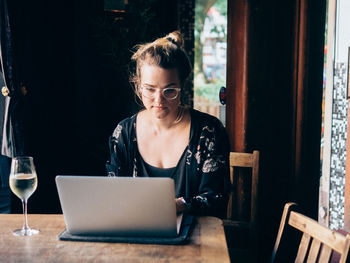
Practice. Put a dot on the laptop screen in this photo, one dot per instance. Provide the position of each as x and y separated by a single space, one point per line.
122 206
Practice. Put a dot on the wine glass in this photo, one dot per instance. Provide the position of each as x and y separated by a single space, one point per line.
23 183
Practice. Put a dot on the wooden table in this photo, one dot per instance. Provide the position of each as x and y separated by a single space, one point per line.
207 244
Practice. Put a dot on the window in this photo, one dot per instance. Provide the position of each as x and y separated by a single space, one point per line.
210 56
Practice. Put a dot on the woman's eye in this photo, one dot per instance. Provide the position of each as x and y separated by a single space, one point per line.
169 91
150 89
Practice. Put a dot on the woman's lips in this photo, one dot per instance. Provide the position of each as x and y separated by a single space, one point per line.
159 107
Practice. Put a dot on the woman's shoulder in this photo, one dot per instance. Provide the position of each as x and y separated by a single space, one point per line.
125 125
205 119
128 121
208 130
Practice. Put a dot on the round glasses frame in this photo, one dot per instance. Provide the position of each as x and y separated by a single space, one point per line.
150 93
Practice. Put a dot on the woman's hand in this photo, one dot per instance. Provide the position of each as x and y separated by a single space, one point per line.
180 205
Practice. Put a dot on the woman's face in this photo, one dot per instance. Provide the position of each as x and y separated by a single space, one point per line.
153 81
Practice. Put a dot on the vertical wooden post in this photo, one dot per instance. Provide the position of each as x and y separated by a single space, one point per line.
299 80
237 73
237 97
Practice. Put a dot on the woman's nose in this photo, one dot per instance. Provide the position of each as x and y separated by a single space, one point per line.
158 96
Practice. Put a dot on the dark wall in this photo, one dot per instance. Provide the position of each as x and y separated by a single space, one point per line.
73 60
270 128
276 105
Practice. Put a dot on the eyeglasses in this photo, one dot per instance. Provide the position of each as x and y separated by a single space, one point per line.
167 93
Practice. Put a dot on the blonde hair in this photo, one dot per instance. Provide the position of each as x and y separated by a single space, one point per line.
166 52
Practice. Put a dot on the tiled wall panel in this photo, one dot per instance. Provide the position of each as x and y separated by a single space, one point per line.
338 145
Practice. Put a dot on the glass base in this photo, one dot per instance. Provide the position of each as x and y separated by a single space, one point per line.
25 232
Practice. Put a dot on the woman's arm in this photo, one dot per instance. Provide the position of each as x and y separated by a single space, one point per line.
213 159
116 165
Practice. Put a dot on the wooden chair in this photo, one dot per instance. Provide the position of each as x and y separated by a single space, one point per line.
317 242
236 227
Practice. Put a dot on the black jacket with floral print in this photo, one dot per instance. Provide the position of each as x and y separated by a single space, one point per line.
202 173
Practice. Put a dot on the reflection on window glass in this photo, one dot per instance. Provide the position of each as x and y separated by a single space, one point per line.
210 56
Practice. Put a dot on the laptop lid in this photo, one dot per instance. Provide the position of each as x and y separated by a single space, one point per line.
122 206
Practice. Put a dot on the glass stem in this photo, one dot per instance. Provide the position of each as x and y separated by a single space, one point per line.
24 206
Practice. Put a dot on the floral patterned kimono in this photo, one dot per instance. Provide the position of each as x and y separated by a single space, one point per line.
201 175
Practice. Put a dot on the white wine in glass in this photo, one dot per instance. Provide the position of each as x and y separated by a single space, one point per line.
23 183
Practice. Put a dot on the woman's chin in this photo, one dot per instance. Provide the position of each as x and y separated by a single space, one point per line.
160 113
160 116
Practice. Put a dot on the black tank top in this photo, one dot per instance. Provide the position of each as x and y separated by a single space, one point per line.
158 172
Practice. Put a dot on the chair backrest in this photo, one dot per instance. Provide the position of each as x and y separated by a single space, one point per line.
245 160
317 242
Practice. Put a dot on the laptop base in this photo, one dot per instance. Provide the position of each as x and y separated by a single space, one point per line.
182 238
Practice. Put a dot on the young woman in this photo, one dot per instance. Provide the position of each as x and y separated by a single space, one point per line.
166 139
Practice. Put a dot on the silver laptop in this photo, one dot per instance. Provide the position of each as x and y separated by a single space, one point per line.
118 206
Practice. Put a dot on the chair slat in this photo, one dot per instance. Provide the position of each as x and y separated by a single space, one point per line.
283 223
345 252
255 183
243 182
326 253
303 248
314 251
325 242
241 159
312 227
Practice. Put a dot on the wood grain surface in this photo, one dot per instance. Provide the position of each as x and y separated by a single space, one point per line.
207 244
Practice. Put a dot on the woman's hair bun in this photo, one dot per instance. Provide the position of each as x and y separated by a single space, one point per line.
176 38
